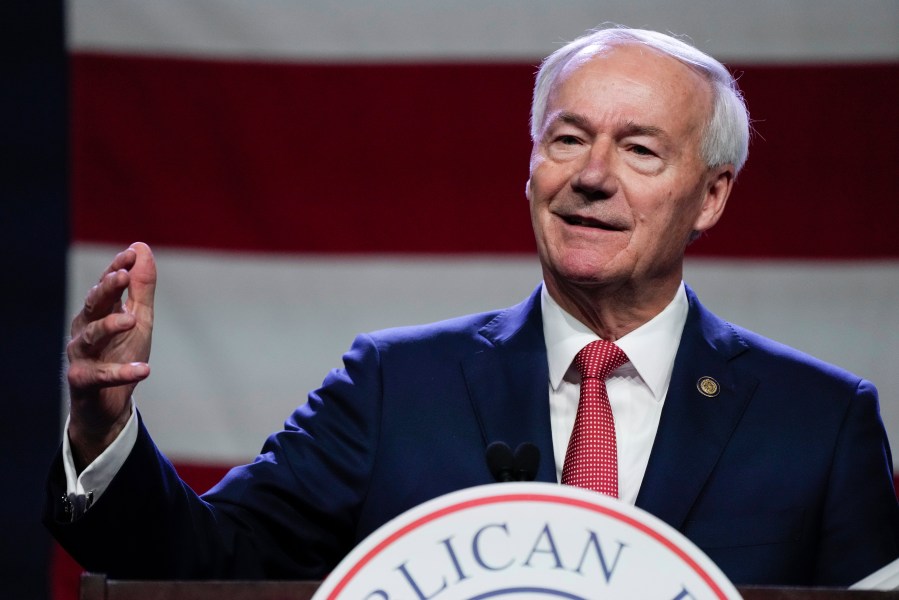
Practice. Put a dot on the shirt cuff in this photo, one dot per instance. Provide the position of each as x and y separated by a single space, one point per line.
94 479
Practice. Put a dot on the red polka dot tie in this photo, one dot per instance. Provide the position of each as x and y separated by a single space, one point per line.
592 458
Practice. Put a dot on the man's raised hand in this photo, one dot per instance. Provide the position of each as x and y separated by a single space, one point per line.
109 350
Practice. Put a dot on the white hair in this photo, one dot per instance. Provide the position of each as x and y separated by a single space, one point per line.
725 136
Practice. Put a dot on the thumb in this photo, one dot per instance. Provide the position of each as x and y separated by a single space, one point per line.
142 287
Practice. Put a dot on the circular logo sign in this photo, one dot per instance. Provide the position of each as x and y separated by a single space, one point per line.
513 541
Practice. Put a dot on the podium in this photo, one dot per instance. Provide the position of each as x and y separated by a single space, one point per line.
97 587
522 540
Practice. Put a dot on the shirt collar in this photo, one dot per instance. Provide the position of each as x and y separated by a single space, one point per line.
651 347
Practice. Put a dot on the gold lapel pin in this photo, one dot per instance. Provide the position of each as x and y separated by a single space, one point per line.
708 387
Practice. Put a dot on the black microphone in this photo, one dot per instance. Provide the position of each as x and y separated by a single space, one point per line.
501 461
527 459
506 466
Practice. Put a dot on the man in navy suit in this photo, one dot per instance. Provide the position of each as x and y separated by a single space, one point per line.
775 464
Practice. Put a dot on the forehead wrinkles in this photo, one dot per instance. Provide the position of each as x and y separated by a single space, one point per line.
673 94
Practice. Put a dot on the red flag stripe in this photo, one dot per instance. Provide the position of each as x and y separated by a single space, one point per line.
399 158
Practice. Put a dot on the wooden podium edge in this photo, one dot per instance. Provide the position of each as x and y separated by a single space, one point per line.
96 586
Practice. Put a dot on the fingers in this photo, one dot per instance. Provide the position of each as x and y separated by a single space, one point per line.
86 375
95 336
123 260
92 367
106 295
133 269
102 299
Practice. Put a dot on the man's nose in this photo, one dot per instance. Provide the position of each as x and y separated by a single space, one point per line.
596 179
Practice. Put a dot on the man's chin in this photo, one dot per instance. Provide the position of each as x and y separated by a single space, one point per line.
583 276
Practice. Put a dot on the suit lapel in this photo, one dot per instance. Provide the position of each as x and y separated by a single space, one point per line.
696 425
508 382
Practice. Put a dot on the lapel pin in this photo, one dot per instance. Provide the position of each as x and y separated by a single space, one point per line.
708 387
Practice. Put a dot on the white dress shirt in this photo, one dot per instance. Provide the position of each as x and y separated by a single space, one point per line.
636 390
96 477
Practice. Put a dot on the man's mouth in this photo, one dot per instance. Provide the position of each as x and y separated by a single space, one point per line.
581 221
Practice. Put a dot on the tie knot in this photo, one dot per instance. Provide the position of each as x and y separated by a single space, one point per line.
598 359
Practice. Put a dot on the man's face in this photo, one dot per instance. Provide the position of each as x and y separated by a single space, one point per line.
617 183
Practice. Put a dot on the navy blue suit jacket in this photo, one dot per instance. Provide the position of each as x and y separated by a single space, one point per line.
784 477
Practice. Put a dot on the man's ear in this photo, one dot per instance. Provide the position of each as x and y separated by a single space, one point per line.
719 183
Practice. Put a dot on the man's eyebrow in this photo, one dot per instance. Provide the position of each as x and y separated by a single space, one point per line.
627 128
575 119
631 128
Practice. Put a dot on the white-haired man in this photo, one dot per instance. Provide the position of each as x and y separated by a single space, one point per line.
775 464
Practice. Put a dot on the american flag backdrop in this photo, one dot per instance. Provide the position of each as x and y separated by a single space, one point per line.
309 170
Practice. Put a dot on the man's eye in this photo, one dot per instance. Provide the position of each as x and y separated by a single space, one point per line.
642 150
568 140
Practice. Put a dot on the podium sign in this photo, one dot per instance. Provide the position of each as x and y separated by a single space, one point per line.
526 540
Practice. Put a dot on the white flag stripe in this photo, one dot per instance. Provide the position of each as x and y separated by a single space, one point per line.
240 339
765 31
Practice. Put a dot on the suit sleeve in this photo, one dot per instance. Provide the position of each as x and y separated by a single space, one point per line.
292 513
860 528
